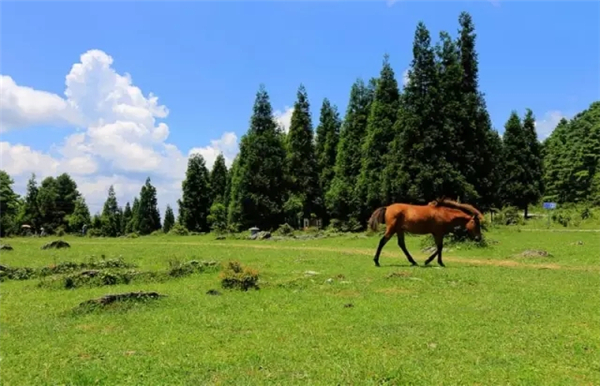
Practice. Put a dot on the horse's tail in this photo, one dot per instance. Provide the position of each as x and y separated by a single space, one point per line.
378 217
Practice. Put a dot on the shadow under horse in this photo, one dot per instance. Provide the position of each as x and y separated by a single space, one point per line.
437 218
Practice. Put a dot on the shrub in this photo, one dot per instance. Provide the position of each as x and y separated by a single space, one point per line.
508 215
132 235
60 231
285 230
179 230
158 232
234 276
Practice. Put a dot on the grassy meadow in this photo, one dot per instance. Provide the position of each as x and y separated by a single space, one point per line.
324 314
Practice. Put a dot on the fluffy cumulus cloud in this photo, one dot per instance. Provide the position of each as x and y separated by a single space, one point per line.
284 118
119 139
545 126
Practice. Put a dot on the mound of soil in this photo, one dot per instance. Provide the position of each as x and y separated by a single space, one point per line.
5 247
57 244
535 253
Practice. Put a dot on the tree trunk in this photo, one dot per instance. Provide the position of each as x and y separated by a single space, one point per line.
526 213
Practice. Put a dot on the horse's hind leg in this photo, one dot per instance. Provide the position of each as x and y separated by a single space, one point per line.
402 246
386 237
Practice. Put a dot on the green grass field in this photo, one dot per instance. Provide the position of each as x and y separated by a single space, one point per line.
490 318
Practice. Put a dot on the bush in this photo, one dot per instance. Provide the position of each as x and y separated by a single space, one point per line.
179 230
508 215
158 232
562 216
132 235
94 232
285 230
234 276
60 231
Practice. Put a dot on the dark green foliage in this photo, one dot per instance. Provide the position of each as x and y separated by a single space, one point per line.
258 183
301 163
342 202
195 201
235 276
66 199
9 205
327 139
217 218
425 171
522 163
169 220
111 216
572 159
218 180
179 230
29 213
147 214
126 221
380 134
80 215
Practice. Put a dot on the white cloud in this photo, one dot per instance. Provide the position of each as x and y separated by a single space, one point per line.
22 107
121 135
405 77
548 123
284 118
227 144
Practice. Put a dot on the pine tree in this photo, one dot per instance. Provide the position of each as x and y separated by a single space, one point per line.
110 215
380 133
341 201
258 184
148 216
555 162
327 139
301 162
169 219
218 180
195 201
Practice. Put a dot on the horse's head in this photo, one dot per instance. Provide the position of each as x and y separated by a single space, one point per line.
474 228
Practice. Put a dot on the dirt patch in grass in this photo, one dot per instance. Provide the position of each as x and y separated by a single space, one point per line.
534 253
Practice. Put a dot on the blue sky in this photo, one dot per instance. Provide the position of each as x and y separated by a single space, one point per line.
205 60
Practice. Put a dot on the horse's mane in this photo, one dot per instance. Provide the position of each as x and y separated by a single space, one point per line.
466 208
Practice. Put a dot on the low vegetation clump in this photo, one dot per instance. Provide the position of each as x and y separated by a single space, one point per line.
124 299
26 273
235 276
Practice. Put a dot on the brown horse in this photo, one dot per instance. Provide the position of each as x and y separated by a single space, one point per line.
439 217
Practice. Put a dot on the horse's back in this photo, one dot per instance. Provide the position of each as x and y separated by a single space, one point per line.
412 218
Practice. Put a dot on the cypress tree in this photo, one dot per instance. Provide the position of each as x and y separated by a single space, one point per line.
9 204
534 162
66 197
169 219
328 133
218 180
195 201
46 200
80 215
380 133
474 155
132 225
556 163
258 185
110 215
341 201
148 216
425 171
126 221
301 162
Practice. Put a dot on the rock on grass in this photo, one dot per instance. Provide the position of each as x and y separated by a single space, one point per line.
57 244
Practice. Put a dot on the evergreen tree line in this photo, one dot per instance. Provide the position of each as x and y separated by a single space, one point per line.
432 138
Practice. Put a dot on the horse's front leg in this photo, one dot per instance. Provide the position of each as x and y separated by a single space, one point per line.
439 244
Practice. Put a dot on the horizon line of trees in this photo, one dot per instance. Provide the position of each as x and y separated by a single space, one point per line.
432 138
